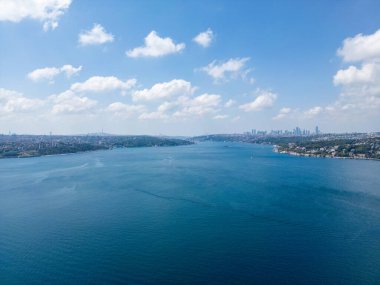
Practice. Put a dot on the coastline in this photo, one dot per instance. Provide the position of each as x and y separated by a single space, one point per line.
293 153
55 154
85 151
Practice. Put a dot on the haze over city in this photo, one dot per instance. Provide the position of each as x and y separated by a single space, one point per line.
188 68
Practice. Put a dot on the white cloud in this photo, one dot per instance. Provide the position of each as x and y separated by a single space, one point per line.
283 113
205 38
206 100
361 47
103 84
14 102
368 73
186 106
264 99
156 46
96 36
220 117
229 103
167 106
313 112
70 70
171 88
360 83
48 73
70 103
122 109
161 112
198 106
46 11
285 110
233 67
153 116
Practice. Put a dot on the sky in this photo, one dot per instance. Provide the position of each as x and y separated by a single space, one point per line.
188 67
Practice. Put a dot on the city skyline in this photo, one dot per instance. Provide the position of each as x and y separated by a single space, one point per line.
76 67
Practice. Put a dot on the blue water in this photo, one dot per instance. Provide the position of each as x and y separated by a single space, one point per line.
200 214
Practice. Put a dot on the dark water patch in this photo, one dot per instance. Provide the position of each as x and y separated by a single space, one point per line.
202 214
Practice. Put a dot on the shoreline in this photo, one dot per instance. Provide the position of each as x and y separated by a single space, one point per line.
55 154
292 153
84 151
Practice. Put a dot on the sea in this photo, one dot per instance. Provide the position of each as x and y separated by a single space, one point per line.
208 213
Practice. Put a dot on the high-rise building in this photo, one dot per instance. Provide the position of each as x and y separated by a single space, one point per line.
297 131
317 131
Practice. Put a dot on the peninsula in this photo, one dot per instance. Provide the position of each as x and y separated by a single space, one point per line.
35 145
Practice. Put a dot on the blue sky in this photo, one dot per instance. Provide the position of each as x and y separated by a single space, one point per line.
138 67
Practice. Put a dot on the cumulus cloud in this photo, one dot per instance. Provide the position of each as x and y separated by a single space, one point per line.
233 68
185 106
206 100
69 103
205 38
70 70
367 73
126 110
359 83
167 106
165 110
103 84
313 112
153 116
361 47
14 102
45 11
171 88
283 113
198 106
155 46
48 73
229 103
265 99
220 117
96 36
